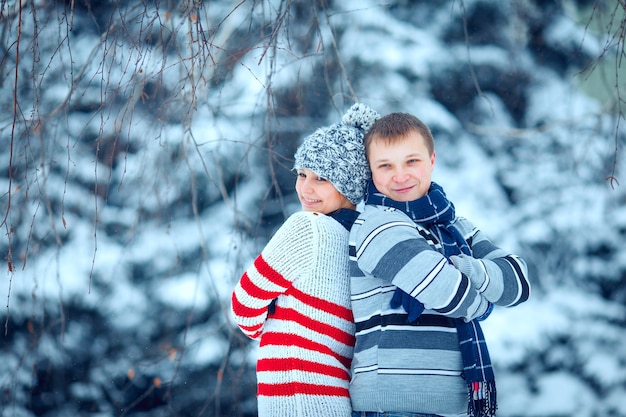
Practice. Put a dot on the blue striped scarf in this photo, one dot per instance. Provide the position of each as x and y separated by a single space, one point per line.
436 212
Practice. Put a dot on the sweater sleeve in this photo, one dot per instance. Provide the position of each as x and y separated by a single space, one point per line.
500 276
389 246
287 255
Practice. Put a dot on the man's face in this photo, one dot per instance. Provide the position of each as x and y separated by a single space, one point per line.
402 170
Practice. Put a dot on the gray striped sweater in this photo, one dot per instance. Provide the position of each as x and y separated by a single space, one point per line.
417 368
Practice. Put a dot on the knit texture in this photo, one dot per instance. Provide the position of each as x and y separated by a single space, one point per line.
337 153
417 368
306 344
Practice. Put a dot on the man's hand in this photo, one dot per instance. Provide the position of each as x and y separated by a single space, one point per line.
472 268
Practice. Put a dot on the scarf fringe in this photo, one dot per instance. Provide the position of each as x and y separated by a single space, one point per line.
482 399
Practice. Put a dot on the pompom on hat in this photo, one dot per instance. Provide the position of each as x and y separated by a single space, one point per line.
337 153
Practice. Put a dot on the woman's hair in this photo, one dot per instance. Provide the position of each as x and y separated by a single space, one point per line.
397 126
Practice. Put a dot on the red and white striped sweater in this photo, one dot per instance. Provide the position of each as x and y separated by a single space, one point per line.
306 345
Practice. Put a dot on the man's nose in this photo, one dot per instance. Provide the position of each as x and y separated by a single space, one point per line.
400 175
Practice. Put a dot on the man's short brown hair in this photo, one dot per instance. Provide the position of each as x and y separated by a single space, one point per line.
397 126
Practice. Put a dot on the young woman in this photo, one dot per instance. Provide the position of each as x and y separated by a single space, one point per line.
295 297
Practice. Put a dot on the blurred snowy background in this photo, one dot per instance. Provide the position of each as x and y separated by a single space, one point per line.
146 150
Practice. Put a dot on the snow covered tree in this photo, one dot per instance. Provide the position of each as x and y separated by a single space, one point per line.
147 152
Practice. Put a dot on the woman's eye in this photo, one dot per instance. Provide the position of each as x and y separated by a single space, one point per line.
320 179
301 175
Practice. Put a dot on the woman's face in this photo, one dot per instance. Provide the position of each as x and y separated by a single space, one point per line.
318 194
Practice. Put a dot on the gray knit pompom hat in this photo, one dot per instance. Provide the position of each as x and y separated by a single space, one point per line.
337 153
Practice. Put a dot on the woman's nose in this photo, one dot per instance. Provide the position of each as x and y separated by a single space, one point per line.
307 185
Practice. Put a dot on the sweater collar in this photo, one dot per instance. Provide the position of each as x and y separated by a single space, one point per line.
345 217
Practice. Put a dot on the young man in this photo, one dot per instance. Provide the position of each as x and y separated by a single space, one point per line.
295 297
422 278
